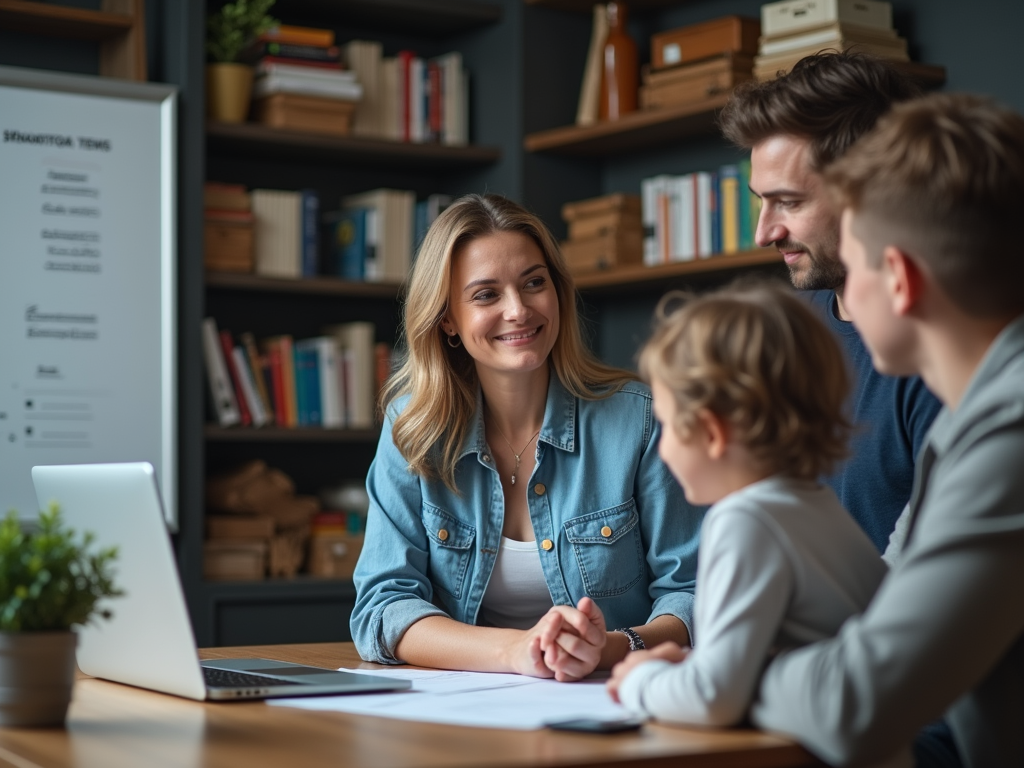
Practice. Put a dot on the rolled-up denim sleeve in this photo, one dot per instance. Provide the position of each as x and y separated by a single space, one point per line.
393 589
671 531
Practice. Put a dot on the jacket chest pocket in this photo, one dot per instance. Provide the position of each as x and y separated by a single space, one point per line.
451 548
608 549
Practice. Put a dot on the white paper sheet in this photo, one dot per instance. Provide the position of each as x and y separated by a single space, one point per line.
478 699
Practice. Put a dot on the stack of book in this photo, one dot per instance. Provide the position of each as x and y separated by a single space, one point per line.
228 225
255 524
410 98
793 29
371 236
328 381
300 83
287 238
604 232
698 215
699 61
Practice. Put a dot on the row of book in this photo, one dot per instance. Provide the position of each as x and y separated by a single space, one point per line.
405 97
371 237
327 381
697 215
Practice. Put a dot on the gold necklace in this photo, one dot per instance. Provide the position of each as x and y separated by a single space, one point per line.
517 455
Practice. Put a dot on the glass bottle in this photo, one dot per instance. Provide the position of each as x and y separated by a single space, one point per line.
620 68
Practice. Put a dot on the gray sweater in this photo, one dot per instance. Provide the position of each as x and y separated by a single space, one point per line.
945 632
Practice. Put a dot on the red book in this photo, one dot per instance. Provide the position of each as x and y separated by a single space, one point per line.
405 88
236 376
329 65
273 351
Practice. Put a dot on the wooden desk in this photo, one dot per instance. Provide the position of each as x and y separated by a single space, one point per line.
117 726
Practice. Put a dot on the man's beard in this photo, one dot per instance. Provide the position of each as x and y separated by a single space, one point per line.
823 272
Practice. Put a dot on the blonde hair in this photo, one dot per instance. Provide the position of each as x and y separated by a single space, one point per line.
755 356
942 178
441 381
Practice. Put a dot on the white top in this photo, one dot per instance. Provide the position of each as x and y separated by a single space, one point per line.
781 564
517 594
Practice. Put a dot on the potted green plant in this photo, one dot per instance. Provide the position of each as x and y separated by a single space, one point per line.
228 32
50 582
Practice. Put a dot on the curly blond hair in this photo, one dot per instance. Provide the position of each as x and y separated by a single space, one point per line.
755 356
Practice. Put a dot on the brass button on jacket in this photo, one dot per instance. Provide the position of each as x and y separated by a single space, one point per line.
443 534
547 544
606 531
540 489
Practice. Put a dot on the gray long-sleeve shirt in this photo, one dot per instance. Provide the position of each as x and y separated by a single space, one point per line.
945 633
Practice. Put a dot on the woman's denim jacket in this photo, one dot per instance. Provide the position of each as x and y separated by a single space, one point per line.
609 519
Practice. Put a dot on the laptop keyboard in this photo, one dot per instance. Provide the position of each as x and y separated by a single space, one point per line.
223 678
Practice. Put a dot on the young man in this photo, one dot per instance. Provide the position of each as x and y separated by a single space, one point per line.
935 285
794 126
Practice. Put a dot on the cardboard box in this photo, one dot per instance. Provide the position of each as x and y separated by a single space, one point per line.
306 113
231 560
783 18
729 34
257 527
594 206
334 555
612 249
229 242
694 82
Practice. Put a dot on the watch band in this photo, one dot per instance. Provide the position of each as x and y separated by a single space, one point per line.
636 643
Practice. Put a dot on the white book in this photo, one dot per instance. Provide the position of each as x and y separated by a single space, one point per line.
357 340
830 37
391 99
346 90
248 384
704 222
416 109
299 72
684 245
365 60
392 227
278 232
450 65
222 394
788 16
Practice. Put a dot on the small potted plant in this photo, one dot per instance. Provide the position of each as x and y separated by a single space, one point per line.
50 582
228 32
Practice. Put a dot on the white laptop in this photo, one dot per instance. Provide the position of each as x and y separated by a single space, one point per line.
149 642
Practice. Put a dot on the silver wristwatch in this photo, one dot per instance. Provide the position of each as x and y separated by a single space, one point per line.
636 643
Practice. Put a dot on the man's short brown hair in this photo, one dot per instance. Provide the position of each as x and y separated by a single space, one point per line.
942 178
755 356
831 99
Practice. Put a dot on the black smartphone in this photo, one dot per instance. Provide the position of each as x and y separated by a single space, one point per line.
593 725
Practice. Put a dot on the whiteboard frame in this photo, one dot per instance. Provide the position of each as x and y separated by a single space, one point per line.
163 98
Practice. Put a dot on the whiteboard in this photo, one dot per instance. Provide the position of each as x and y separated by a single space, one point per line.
87 278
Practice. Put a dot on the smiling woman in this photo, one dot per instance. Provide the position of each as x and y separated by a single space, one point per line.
518 505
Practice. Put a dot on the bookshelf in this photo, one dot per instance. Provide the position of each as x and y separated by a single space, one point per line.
639 279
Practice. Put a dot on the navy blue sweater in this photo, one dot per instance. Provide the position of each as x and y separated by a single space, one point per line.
891 417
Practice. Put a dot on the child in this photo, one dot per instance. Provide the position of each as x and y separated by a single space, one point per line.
931 204
749 388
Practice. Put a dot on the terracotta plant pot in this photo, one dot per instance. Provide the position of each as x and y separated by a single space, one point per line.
37 673
228 90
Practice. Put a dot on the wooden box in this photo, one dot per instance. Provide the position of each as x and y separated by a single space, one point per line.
306 113
229 243
694 82
612 249
592 226
595 206
334 555
729 34
234 560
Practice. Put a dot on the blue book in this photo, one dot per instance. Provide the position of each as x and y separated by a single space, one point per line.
716 215
748 222
300 385
350 243
307 371
421 221
310 233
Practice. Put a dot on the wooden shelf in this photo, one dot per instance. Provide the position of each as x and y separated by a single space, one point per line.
641 277
121 35
301 587
643 129
214 433
247 139
62 21
587 6
329 286
431 18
